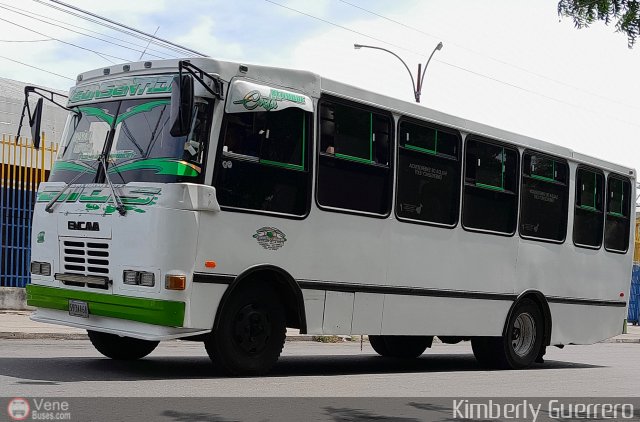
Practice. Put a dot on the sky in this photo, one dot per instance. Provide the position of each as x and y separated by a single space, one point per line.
512 64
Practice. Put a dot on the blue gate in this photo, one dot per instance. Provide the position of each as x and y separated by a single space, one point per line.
634 296
22 168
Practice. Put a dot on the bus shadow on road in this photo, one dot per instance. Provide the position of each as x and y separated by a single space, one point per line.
50 371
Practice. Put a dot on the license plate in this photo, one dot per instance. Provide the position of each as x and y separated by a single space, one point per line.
78 308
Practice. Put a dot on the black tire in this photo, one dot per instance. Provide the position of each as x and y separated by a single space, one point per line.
378 345
520 346
250 332
121 348
406 347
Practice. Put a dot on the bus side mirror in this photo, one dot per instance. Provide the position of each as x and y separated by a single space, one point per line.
35 121
181 105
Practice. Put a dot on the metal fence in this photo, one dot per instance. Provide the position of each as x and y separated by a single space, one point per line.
22 168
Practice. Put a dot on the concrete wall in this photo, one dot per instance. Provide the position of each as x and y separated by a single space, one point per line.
13 298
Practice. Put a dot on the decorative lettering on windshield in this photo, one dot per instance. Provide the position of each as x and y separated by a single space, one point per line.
127 87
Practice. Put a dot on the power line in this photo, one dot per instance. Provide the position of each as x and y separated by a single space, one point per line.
47 20
453 65
346 29
128 27
9 8
48 39
85 29
495 59
38 68
112 27
59 40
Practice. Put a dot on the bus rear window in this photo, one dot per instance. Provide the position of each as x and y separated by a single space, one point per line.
617 225
588 214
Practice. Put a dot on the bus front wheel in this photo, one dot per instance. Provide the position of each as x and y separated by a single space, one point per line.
121 348
250 333
400 346
521 344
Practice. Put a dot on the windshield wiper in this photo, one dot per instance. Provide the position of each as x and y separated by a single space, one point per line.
49 207
116 199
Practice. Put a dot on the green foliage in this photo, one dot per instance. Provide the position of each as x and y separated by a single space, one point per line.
626 13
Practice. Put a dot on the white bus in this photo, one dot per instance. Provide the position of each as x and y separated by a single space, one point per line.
223 202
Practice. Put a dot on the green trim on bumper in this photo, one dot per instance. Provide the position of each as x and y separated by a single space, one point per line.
151 311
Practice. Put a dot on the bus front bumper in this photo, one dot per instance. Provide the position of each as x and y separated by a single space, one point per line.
148 319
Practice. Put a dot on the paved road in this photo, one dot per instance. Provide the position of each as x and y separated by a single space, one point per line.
74 368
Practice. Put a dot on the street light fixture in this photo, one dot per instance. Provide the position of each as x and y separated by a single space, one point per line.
417 89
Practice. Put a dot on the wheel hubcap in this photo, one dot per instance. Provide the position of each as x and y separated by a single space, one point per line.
252 329
523 334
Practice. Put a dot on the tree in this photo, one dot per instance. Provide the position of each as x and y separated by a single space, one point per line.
626 13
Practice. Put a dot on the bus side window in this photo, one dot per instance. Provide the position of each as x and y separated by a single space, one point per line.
588 213
544 197
490 201
616 228
428 174
263 165
354 158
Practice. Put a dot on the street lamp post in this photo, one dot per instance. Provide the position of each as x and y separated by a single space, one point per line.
417 88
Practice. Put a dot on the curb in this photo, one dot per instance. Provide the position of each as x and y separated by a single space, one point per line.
622 340
43 336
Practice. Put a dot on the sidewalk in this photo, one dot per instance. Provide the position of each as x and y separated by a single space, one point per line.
17 325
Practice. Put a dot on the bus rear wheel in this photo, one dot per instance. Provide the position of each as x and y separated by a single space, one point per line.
400 346
121 348
250 333
520 346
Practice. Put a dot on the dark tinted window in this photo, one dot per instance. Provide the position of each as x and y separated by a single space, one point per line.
490 187
263 165
588 217
428 174
544 197
616 232
353 164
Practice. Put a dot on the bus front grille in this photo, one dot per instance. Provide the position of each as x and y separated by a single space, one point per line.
86 257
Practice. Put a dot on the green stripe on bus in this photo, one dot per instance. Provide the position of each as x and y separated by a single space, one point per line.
283 165
352 158
150 311
543 178
489 187
164 166
419 149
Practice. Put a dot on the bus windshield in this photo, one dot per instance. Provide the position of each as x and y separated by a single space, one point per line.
141 148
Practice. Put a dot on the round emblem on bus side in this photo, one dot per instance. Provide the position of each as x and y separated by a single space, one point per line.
270 238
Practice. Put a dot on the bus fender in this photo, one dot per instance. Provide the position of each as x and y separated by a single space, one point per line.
541 300
280 277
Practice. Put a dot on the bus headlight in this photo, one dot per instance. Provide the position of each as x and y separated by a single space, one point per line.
40 268
147 279
139 278
130 277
